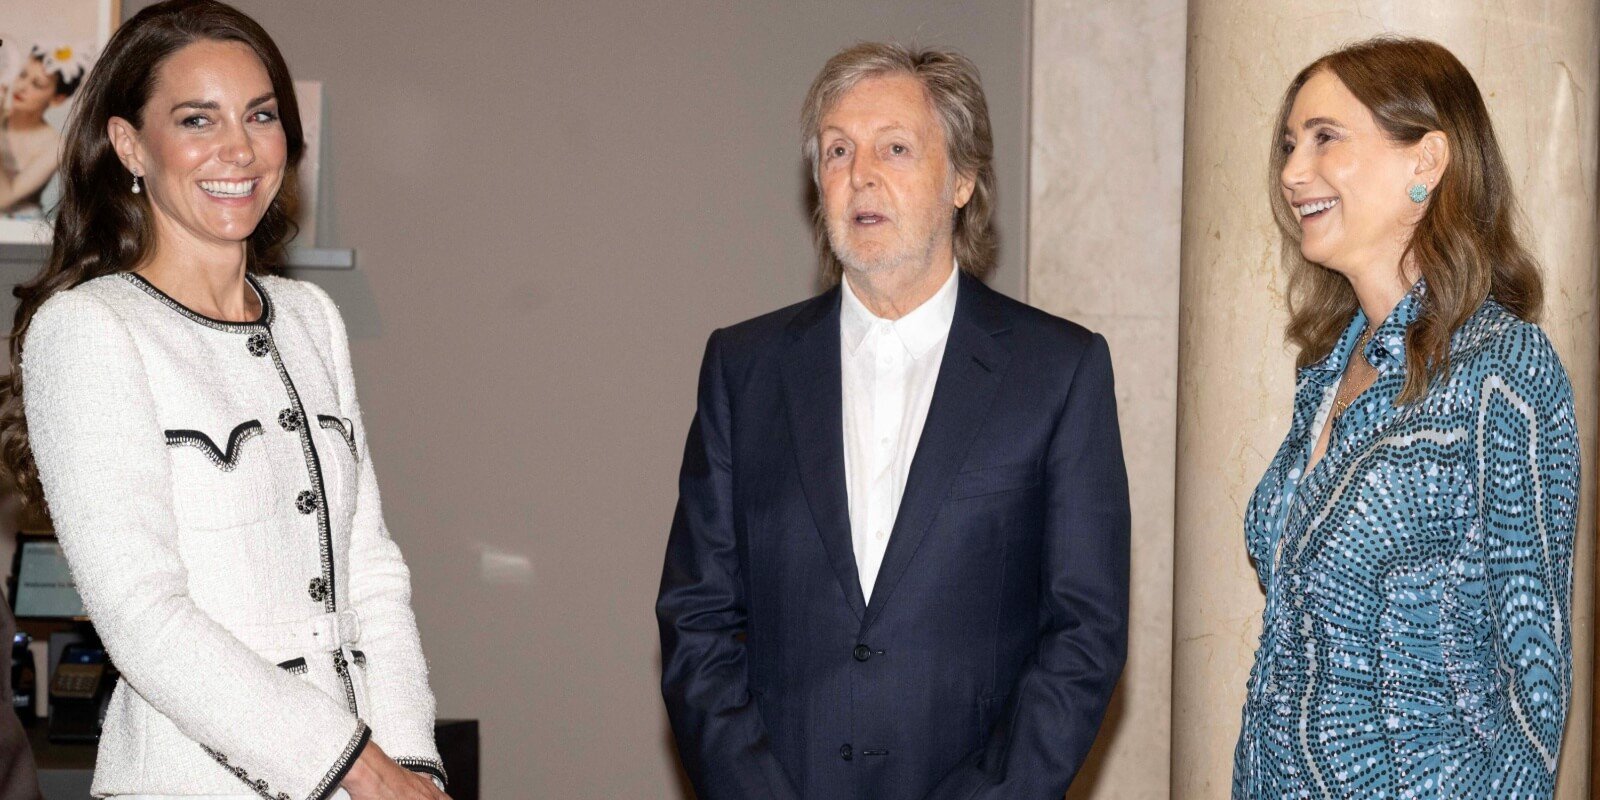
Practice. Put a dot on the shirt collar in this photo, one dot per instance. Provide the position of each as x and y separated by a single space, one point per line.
1388 345
917 331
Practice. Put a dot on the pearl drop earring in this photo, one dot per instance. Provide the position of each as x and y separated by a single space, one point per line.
136 188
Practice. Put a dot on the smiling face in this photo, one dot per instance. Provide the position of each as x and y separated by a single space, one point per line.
1347 181
35 90
888 191
212 150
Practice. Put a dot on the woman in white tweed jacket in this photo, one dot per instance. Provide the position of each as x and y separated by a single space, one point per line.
196 433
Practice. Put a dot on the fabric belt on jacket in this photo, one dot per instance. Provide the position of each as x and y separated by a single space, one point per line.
323 633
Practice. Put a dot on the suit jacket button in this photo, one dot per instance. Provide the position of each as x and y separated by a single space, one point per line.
862 652
846 753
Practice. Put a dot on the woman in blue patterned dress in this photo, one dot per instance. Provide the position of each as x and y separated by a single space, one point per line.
1414 532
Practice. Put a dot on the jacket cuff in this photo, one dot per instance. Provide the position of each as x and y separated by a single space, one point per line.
427 766
329 782
347 759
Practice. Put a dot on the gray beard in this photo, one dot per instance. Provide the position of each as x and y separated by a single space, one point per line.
888 262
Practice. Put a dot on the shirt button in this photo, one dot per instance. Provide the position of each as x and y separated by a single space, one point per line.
289 420
306 502
882 534
257 344
846 753
862 652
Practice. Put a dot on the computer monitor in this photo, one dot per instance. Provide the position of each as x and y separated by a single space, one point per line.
44 588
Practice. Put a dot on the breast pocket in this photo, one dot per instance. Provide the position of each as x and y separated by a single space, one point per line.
220 479
341 460
987 481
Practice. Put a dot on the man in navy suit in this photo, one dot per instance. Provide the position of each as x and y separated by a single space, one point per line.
899 564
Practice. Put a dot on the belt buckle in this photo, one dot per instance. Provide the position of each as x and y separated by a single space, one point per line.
325 632
348 625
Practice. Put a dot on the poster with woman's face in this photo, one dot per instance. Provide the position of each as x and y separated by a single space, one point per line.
47 48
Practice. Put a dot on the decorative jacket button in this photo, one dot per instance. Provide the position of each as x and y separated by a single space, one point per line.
257 344
306 502
319 589
846 753
862 652
289 420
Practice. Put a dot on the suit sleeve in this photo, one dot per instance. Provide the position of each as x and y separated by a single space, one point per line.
702 612
401 705
102 459
1053 715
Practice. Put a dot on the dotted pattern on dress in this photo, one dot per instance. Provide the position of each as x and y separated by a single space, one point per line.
1415 642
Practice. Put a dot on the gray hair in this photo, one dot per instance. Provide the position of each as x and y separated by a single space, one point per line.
951 82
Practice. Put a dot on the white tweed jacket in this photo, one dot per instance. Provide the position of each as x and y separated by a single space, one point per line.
211 486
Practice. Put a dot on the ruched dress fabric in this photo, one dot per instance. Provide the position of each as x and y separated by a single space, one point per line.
1415 642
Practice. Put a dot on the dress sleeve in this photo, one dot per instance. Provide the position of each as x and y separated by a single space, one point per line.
103 462
401 704
1528 485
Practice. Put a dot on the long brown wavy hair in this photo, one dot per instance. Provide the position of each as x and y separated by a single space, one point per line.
1465 246
102 228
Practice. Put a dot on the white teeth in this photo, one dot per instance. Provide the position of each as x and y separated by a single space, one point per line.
1320 205
228 188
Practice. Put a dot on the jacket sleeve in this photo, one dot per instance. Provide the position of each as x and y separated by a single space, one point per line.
1053 715
102 459
1528 469
400 703
702 612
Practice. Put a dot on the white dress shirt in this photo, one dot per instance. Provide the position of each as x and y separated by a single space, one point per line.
888 371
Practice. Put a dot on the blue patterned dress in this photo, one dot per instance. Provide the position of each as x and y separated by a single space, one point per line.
1418 580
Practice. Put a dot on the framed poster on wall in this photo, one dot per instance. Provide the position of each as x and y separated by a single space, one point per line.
47 48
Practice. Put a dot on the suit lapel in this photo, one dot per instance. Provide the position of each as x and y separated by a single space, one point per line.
974 362
812 391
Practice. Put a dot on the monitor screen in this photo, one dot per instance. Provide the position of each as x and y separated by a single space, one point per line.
44 585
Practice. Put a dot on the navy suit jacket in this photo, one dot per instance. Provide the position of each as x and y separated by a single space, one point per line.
998 623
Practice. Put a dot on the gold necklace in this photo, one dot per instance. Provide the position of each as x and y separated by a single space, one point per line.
1341 402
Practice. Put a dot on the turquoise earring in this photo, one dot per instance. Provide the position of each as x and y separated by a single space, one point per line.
1418 192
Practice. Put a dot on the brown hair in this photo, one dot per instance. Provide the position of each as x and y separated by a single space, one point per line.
951 82
1465 245
102 228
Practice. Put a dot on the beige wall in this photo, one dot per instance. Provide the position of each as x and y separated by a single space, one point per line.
552 206
1106 183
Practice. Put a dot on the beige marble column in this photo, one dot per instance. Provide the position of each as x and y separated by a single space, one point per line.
1536 63
1106 191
